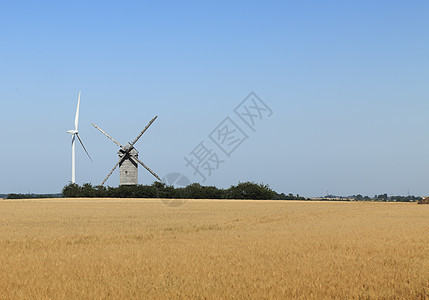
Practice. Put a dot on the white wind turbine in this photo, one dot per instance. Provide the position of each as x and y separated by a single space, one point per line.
75 133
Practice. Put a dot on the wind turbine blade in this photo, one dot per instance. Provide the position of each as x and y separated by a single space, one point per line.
108 175
143 131
108 136
76 120
77 134
146 167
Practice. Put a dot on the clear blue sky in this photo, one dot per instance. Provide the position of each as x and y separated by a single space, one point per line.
347 82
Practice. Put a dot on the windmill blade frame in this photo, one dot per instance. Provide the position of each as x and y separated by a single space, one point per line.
112 139
146 167
108 175
143 131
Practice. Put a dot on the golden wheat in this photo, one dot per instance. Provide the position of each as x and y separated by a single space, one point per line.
112 248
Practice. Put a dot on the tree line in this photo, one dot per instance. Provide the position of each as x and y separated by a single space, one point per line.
31 196
243 190
386 198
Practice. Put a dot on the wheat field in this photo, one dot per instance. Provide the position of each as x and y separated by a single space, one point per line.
212 249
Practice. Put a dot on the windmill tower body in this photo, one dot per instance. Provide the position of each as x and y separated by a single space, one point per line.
128 168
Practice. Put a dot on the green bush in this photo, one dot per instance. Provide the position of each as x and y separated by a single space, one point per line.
250 190
244 190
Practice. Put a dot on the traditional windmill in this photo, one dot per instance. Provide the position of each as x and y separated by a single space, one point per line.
75 133
128 160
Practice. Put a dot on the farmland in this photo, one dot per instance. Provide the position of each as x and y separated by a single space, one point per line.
135 248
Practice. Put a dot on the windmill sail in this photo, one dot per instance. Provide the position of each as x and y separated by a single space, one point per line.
128 159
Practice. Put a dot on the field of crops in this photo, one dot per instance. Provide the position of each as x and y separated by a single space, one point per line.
98 248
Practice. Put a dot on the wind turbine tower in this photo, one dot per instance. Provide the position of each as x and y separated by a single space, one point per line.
75 133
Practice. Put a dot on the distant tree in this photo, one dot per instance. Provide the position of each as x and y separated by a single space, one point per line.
72 191
382 197
290 196
88 191
358 197
250 190
193 191
197 191
212 192
100 191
